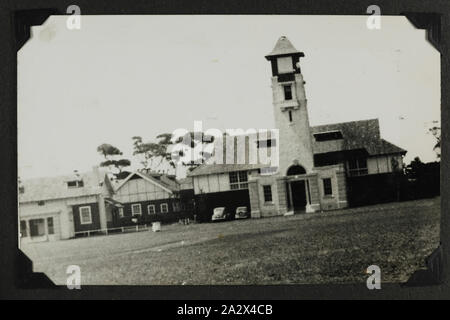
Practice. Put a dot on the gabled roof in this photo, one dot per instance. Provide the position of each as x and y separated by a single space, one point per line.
363 134
53 188
158 182
283 47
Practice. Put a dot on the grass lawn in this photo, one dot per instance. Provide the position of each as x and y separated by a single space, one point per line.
329 247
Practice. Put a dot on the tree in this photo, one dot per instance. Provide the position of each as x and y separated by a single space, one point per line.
112 158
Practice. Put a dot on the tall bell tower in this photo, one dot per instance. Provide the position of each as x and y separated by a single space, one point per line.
290 110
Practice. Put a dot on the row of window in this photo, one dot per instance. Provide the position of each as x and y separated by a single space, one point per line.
151 209
86 216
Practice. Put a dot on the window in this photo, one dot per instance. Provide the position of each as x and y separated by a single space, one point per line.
151 209
327 188
176 206
287 92
357 167
41 203
37 227
21 189
72 184
75 184
50 228
238 180
164 208
267 193
85 215
121 212
290 116
327 136
23 228
136 209
328 159
285 65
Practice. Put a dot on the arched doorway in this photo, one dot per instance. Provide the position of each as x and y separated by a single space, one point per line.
295 169
296 189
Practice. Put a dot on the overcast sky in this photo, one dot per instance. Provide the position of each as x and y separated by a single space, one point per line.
122 76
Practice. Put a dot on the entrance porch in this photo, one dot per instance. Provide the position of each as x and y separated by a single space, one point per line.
298 193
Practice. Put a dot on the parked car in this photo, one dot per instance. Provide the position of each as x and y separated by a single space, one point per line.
221 213
242 213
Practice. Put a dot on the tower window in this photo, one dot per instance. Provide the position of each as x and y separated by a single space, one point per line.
287 92
290 116
285 65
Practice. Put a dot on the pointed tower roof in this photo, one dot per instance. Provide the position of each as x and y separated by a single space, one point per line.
283 47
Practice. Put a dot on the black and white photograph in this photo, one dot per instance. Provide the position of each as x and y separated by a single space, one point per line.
229 150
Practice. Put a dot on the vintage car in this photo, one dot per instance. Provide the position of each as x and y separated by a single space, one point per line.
242 213
221 213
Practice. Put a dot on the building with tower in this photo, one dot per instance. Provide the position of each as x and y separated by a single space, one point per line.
317 166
